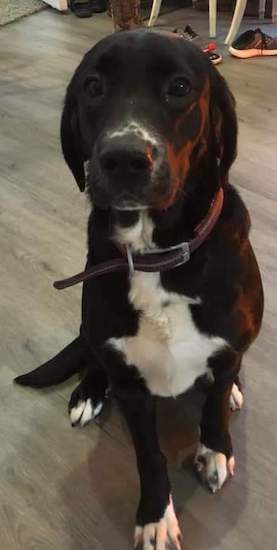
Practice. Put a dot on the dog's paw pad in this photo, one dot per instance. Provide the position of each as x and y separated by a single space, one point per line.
236 398
213 467
84 411
162 535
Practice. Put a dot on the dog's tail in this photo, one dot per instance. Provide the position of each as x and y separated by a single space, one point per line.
58 369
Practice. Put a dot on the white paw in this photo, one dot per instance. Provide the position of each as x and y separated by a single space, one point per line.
236 398
83 412
161 535
213 467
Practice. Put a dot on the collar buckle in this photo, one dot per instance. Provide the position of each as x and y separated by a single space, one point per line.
185 254
130 260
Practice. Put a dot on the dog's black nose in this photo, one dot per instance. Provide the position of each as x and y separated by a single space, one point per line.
125 158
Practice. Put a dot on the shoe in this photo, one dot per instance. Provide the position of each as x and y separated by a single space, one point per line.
191 34
81 8
188 33
214 57
252 44
98 6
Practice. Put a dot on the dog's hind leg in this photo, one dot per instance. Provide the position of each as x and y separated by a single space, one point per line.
58 369
88 398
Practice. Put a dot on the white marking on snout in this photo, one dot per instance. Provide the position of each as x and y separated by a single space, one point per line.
135 128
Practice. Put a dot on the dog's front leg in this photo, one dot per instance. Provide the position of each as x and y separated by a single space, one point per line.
156 522
214 457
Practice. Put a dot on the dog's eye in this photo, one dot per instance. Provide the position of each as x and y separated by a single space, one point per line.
179 87
94 87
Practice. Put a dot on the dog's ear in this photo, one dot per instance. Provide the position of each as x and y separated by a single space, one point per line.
224 122
71 140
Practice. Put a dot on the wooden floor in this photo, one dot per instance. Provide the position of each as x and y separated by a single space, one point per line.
62 489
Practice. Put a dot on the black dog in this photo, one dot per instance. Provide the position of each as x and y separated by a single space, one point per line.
150 126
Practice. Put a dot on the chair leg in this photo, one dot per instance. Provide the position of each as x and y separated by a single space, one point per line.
274 11
236 21
262 8
156 6
212 18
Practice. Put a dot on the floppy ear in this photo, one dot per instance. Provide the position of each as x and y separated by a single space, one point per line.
224 122
71 140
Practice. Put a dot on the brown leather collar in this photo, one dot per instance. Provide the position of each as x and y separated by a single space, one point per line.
161 259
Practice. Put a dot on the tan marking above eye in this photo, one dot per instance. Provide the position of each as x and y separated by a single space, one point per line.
202 103
149 154
184 115
180 160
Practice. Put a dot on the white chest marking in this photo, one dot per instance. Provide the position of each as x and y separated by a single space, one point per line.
138 236
168 349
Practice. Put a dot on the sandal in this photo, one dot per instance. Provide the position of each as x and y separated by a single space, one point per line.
188 33
214 57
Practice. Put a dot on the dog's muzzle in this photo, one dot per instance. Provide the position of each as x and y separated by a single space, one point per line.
125 168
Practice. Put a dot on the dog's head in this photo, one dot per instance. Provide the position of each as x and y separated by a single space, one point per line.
142 110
